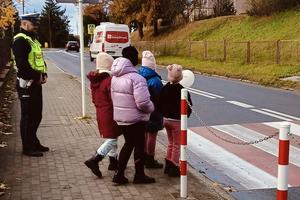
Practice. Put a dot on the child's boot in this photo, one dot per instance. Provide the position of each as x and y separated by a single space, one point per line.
92 163
167 166
119 178
174 171
113 163
151 163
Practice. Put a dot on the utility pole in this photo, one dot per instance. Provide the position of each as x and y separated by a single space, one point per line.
23 5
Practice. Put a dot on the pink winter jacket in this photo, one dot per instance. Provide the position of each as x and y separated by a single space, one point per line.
129 93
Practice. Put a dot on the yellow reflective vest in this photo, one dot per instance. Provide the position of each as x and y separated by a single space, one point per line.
35 57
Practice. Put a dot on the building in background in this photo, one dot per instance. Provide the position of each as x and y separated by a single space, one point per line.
204 8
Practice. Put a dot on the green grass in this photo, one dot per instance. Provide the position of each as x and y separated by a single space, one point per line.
264 30
284 26
268 75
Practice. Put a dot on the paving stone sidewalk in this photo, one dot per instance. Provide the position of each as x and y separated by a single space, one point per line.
61 174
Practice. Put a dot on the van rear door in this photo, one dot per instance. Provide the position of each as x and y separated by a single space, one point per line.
115 41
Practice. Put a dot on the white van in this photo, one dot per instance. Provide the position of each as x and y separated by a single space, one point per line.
110 38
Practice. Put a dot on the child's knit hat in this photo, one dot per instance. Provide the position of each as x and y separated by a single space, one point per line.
104 61
174 73
131 54
148 60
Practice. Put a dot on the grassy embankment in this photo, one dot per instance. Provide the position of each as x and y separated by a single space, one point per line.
261 69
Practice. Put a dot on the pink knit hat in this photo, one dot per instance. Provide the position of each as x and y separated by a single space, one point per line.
148 60
174 73
104 61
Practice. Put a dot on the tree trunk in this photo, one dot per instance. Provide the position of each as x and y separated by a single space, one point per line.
140 29
155 28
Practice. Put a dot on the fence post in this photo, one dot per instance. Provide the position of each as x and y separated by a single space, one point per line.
190 47
183 144
205 49
176 48
278 51
165 47
283 161
225 50
248 54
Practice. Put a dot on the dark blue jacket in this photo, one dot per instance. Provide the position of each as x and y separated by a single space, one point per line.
154 85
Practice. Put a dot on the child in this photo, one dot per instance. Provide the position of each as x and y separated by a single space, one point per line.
132 109
148 71
108 128
169 105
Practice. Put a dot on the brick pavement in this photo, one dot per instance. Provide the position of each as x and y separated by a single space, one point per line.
61 174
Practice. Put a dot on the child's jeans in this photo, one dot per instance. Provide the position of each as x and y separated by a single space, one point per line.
110 147
173 131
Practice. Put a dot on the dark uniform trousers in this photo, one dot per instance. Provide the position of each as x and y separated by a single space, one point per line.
31 114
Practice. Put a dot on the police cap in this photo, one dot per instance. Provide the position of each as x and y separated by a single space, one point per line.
32 17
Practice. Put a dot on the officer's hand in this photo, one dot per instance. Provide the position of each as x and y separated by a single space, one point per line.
44 79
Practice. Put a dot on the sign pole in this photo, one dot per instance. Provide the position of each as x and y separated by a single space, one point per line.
83 100
81 31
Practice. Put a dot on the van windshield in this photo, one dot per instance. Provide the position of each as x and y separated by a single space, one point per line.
116 37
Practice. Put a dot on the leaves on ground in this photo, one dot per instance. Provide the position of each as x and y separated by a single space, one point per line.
6 133
83 118
3 144
230 189
3 186
3 125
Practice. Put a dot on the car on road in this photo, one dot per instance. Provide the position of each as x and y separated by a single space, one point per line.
72 45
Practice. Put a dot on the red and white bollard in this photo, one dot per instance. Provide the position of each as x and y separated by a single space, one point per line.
283 161
183 144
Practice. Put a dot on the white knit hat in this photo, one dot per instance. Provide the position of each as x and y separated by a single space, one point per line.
148 60
174 73
104 61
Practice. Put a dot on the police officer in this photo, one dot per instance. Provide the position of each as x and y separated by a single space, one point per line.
30 77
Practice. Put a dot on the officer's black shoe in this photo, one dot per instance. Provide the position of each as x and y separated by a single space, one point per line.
33 153
143 179
42 148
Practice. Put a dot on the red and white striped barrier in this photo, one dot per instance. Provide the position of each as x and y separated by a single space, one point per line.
183 144
283 161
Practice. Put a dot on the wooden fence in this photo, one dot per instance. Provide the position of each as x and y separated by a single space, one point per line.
269 52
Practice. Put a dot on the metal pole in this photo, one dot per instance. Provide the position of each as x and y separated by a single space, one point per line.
283 161
183 144
81 57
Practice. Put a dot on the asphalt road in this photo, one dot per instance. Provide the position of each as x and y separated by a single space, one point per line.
217 100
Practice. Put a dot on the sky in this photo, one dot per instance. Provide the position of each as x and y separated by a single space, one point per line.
37 6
